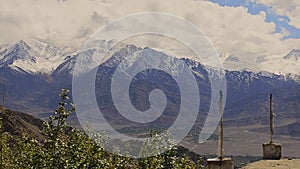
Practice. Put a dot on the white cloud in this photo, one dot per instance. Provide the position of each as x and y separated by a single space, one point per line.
232 29
289 8
57 21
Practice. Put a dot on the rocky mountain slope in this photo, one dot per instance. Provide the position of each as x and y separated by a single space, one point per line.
31 75
17 123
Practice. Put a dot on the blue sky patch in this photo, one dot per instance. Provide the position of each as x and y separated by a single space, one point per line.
281 22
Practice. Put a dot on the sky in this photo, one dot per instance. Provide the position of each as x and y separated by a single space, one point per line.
244 28
281 19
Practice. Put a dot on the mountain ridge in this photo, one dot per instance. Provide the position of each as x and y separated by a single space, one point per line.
48 57
36 92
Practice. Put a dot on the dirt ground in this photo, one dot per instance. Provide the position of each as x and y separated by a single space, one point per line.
275 164
244 142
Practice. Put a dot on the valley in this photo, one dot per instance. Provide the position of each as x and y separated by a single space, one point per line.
30 84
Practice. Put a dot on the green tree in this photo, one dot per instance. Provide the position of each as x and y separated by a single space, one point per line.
66 147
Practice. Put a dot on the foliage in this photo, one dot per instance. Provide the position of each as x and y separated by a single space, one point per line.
66 147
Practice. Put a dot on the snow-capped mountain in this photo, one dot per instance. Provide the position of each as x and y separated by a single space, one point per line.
288 65
243 87
36 57
293 55
247 90
20 51
41 57
57 66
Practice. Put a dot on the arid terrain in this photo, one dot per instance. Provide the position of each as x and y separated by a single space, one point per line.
242 141
278 164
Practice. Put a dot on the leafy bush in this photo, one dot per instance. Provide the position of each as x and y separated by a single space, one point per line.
66 147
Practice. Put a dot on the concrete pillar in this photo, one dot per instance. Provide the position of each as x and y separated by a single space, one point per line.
271 151
225 163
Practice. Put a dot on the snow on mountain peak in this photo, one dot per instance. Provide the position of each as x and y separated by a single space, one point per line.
36 56
44 49
23 45
293 55
33 57
20 51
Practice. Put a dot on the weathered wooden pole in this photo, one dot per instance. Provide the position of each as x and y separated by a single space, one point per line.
221 133
271 150
220 162
271 120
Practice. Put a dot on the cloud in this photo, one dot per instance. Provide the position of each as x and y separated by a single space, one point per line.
232 29
99 19
57 21
289 8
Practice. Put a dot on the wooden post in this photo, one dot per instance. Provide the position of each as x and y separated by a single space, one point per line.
271 120
271 150
220 162
221 134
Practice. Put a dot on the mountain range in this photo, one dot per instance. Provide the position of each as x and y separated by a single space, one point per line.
32 74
